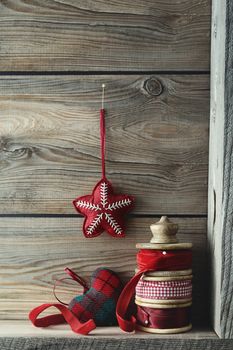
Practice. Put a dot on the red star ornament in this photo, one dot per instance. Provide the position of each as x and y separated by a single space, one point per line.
103 210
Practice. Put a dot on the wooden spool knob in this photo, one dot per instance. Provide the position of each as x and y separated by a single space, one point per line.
164 231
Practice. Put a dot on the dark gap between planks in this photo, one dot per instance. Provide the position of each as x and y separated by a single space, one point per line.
167 72
42 215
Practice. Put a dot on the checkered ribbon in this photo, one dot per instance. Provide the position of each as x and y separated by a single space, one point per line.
164 290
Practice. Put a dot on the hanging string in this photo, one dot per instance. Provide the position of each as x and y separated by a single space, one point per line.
103 87
74 277
77 278
102 133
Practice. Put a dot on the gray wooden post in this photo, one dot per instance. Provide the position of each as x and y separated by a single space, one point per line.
220 207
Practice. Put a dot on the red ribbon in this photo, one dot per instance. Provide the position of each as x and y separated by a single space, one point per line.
163 318
102 138
149 260
164 260
65 314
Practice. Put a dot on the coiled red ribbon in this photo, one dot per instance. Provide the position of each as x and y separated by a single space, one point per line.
149 260
163 318
164 260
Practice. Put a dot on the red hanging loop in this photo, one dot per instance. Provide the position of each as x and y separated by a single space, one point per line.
102 139
74 277
77 278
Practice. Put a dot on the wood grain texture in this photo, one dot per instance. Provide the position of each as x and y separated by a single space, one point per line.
220 223
227 222
157 141
20 328
132 342
216 155
104 35
35 251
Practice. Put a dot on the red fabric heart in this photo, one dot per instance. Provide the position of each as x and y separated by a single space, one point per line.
96 307
99 302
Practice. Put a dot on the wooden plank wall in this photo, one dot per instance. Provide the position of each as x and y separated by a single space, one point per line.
153 57
220 223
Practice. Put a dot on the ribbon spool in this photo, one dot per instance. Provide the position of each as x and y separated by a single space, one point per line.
161 286
164 296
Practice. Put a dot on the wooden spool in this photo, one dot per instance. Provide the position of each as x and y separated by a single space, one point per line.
163 304
167 273
165 331
164 238
167 278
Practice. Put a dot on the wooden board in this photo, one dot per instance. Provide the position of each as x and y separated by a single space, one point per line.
131 343
227 227
60 338
20 328
216 159
101 35
157 141
221 170
35 251
21 335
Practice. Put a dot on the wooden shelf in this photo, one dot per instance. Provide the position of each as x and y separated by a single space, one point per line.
25 329
15 335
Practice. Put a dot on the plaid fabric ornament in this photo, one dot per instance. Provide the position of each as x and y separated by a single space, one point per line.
96 307
99 302
103 209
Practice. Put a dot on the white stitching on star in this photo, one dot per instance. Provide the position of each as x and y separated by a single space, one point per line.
104 194
119 204
116 227
87 205
94 224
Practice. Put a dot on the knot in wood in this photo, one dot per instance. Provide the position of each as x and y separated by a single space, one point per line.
153 86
